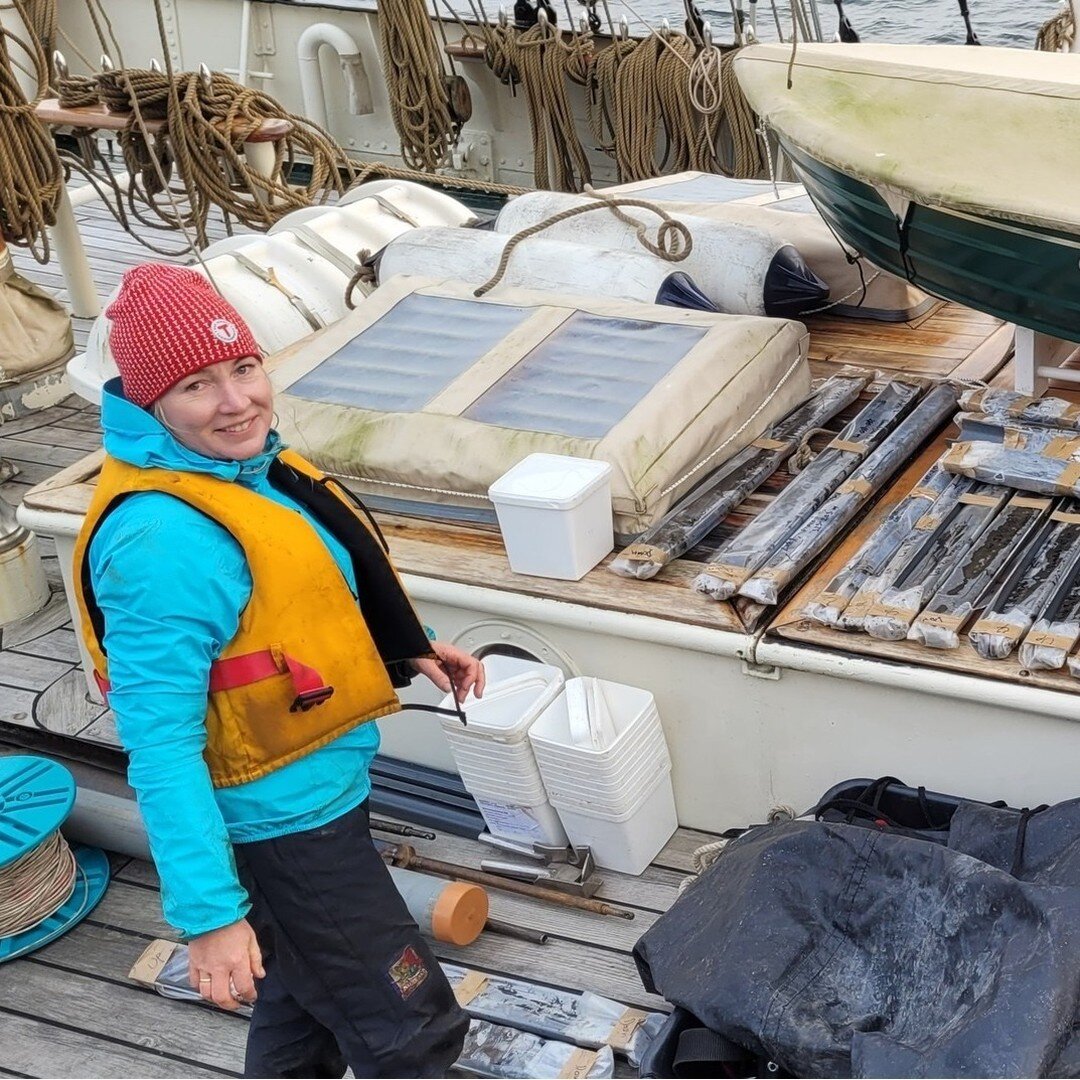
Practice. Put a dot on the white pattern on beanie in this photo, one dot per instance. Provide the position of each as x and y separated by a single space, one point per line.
168 322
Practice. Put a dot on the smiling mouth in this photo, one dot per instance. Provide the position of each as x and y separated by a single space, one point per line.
237 429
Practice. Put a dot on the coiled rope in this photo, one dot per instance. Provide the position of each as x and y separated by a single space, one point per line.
1058 32
208 119
416 83
673 243
545 61
601 97
31 174
36 885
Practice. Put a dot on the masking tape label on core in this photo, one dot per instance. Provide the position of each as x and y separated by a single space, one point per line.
624 1028
578 1064
471 985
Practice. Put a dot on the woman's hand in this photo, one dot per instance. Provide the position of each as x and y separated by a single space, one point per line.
468 672
224 964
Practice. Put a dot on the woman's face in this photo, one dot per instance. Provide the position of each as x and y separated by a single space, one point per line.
223 411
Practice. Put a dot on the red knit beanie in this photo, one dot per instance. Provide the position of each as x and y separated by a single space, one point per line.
168 322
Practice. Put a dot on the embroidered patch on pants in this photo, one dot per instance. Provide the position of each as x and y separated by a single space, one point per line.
408 972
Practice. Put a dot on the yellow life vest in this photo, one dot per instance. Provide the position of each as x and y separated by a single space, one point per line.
308 662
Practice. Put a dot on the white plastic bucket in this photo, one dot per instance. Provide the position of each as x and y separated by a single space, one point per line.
495 758
625 842
633 712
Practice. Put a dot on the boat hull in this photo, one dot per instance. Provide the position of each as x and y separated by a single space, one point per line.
1016 271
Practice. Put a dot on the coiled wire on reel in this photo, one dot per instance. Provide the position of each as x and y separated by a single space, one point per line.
46 887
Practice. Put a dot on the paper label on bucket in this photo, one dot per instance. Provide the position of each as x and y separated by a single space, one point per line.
515 820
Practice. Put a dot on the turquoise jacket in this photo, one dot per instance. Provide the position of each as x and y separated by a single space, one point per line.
171 584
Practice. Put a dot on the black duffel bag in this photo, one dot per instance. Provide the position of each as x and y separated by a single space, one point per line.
897 935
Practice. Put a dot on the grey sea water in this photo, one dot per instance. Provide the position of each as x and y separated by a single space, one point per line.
996 22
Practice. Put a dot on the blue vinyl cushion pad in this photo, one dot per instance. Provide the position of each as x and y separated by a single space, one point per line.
411 354
580 381
584 378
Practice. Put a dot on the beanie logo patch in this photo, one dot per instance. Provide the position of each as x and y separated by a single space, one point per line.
224 330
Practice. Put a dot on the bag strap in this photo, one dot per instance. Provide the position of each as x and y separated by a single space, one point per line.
699 1051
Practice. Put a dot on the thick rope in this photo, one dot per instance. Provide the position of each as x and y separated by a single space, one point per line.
601 96
673 239
1058 32
637 112
545 62
691 132
31 174
416 83
36 885
740 124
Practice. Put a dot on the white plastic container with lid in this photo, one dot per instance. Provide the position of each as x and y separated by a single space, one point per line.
555 515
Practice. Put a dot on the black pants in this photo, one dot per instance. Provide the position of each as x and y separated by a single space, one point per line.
348 980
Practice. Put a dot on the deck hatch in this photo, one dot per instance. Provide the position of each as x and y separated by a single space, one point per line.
584 378
412 353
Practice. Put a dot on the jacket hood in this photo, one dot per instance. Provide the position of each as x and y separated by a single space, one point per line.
134 435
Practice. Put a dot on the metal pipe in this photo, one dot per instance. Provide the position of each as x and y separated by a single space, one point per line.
404 855
512 930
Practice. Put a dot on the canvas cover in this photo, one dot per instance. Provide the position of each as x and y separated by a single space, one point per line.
786 213
988 131
35 329
427 394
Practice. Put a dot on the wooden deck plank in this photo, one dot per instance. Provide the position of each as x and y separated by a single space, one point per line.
55 435
64 708
53 615
29 672
42 420
59 644
17 706
37 1048
123 1014
20 450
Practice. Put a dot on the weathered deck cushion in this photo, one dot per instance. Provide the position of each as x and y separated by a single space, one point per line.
426 394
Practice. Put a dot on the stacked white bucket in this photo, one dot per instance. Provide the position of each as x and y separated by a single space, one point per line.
589 758
606 769
495 758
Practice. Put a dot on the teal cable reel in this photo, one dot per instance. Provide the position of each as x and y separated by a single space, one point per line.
36 796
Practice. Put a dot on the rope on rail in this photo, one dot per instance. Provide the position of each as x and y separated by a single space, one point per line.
31 174
416 83
546 62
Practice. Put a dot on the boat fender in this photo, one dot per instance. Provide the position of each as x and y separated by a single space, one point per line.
791 288
681 291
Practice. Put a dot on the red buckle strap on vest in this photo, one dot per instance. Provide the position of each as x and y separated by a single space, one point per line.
237 671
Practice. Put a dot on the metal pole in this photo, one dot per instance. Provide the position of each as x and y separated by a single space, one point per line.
404 855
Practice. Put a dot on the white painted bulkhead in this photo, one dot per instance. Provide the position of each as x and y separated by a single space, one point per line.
744 737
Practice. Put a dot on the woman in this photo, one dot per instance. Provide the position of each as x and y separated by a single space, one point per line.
247 627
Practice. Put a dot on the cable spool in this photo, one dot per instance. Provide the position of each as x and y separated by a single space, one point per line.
45 886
